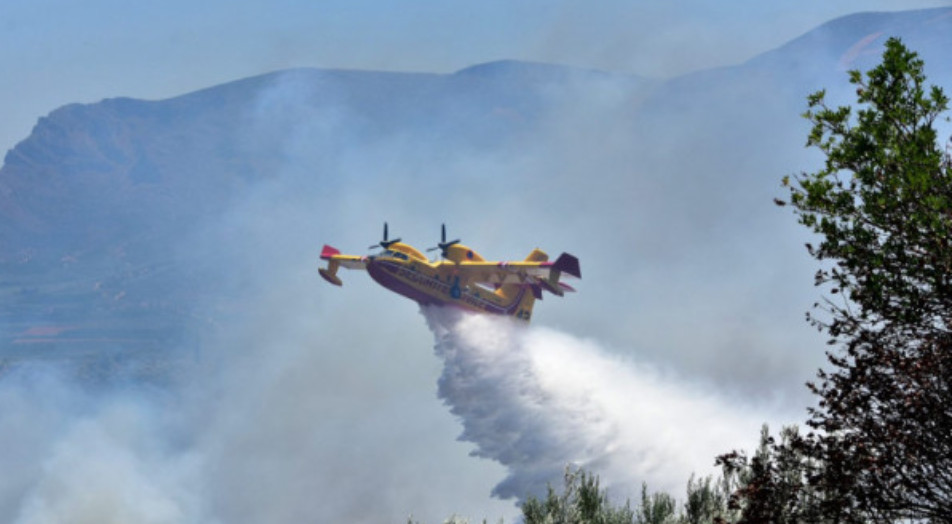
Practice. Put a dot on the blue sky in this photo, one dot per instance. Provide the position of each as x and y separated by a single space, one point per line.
59 51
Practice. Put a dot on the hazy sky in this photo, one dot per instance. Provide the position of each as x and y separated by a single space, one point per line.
59 51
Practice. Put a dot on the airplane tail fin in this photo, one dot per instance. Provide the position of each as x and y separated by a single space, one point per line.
522 297
567 264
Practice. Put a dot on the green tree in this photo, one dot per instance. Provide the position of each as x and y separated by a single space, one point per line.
582 501
773 486
708 500
882 207
656 508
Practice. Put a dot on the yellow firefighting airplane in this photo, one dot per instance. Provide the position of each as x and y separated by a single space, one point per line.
460 278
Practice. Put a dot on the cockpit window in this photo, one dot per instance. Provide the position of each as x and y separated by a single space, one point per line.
394 254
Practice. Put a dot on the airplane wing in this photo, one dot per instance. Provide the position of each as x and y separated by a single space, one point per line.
335 260
545 274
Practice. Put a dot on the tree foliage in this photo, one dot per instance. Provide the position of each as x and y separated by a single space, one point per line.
882 203
583 502
882 207
774 484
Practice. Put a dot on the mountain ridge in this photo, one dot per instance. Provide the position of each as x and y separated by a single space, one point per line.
108 202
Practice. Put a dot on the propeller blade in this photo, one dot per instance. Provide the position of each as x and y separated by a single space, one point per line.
386 242
443 245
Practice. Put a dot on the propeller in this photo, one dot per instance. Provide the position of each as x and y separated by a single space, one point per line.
443 245
385 243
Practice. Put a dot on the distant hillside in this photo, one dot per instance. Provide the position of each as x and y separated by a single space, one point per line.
854 42
111 213
93 176
93 202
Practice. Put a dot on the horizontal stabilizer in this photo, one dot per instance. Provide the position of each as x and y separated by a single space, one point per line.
330 277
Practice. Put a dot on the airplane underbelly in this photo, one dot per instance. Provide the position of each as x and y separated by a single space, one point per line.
401 280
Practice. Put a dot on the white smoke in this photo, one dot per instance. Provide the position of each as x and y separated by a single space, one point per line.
271 423
536 400
254 434
74 454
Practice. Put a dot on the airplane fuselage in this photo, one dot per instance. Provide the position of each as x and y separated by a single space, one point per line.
460 278
438 284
